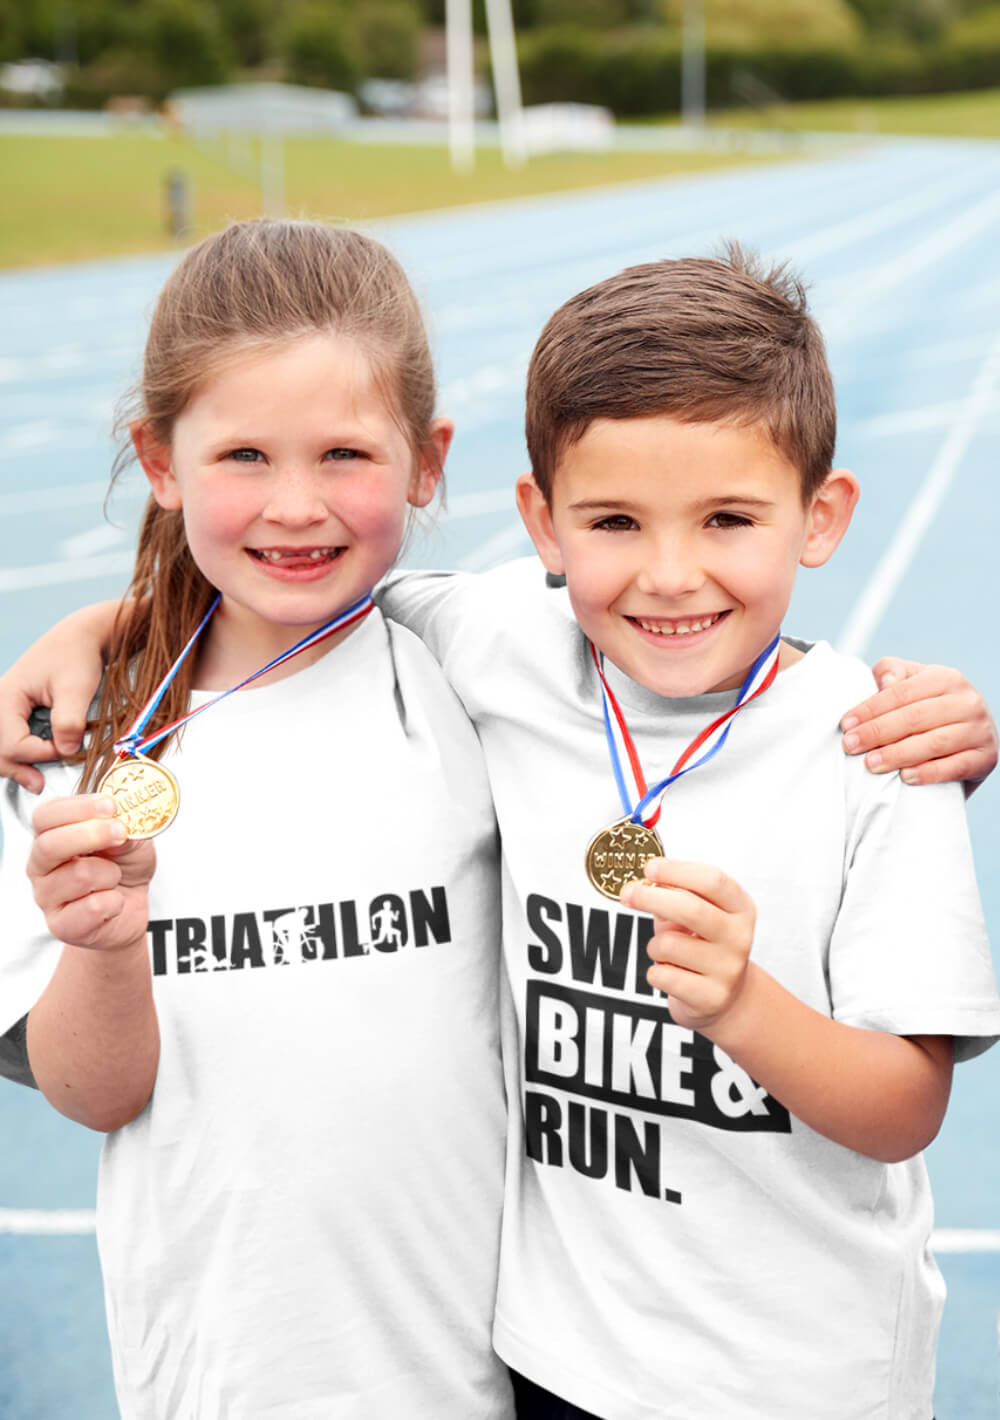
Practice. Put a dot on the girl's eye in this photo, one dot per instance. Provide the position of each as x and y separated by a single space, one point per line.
344 454
730 520
617 522
245 455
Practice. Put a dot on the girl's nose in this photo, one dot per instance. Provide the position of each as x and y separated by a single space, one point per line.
295 500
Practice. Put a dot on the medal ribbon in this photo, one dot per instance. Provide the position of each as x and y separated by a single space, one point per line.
760 675
133 743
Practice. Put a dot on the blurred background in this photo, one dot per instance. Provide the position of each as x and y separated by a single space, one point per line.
512 152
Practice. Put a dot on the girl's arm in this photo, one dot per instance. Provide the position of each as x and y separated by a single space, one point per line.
93 1039
882 1095
926 721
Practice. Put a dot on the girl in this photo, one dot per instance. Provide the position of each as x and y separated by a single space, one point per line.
302 1219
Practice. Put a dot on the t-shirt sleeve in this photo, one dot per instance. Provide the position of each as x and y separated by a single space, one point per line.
909 952
428 603
28 952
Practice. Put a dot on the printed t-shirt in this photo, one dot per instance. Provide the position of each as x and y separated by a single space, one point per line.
304 1221
674 1243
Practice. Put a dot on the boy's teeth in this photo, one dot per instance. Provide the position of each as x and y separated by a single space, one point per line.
678 628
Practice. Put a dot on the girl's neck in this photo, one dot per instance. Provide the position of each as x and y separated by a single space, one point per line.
232 649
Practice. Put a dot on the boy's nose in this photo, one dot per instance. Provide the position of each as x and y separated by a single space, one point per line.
669 570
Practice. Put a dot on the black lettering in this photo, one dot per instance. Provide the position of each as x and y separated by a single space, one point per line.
190 939
644 928
220 950
631 1053
542 1119
387 921
590 946
588 1140
642 1157
246 948
432 916
349 931
159 931
547 953
325 929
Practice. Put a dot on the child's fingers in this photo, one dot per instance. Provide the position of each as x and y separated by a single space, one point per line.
74 880
55 813
678 907
83 922
701 879
969 768
55 846
919 749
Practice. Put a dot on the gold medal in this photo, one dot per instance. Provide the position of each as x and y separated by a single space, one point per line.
147 795
619 854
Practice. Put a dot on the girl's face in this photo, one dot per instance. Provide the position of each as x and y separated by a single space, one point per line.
294 481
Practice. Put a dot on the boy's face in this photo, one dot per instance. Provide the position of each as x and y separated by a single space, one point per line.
680 543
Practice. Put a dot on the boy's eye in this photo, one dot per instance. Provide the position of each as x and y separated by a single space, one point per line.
730 520
340 453
245 455
616 522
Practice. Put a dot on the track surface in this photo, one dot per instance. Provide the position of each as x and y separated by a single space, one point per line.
898 242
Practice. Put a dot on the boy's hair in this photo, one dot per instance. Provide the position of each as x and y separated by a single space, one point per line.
253 287
721 340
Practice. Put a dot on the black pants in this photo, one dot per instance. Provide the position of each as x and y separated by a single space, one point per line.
534 1403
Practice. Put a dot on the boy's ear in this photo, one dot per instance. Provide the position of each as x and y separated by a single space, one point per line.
537 517
430 463
829 516
157 464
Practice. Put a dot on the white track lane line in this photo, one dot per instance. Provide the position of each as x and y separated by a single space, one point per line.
881 587
67 1222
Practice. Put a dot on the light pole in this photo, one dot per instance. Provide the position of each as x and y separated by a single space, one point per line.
506 80
693 64
461 119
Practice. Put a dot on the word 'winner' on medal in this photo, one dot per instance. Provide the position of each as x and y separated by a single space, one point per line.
619 854
147 796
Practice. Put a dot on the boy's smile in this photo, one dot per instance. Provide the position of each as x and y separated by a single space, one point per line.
680 543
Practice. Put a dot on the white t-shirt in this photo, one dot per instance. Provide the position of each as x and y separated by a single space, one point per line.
304 1221
674 1244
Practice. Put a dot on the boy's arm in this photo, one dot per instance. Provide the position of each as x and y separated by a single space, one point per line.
879 1094
926 721
62 669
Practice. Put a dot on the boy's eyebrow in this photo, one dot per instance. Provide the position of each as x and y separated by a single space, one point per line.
717 500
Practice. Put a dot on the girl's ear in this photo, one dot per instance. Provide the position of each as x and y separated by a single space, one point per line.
537 518
156 463
430 463
829 516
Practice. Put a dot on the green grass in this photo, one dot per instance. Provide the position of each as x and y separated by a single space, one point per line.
69 199
970 115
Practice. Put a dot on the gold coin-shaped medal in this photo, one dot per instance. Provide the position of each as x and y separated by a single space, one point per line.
147 795
619 854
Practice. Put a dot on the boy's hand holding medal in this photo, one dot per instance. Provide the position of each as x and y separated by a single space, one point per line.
701 947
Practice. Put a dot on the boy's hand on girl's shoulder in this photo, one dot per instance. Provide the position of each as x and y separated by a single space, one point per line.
926 721
701 946
89 880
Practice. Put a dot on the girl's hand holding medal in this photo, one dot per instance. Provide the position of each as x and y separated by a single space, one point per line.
90 881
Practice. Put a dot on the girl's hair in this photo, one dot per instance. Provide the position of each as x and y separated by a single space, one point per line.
250 288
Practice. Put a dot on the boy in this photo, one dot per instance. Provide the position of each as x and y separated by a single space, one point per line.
709 1206
714 1205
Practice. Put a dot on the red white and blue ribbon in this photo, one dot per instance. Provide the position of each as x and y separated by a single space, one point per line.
133 743
643 805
